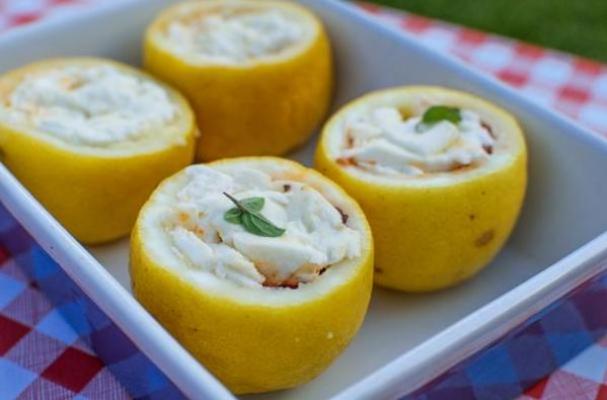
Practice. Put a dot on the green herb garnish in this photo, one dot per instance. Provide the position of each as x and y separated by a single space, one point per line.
436 114
248 214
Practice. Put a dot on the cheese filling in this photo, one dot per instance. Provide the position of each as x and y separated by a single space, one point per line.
315 232
383 142
233 35
88 105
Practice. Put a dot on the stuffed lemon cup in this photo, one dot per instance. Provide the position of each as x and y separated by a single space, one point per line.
258 73
440 174
260 267
91 138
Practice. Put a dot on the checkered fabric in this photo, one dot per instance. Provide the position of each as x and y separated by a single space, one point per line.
573 85
42 356
548 348
19 12
583 378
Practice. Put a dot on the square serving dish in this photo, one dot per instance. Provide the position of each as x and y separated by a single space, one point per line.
550 273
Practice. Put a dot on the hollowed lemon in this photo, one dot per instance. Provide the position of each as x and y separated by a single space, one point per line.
441 196
91 139
253 322
258 73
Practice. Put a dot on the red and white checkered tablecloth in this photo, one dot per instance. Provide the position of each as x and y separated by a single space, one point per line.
573 85
583 378
42 357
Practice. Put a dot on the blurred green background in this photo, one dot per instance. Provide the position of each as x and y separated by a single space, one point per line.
576 26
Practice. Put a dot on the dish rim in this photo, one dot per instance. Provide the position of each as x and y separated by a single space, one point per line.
412 368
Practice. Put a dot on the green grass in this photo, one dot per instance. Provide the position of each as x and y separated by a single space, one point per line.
576 26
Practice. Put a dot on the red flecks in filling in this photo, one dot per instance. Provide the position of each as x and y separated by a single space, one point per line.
489 129
291 282
351 161
344 216
183 217
347 162
459 167
349 141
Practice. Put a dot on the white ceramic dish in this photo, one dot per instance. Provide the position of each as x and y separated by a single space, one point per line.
406 340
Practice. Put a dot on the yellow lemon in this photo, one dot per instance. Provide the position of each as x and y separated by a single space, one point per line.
91 139
440 174
201 276
257 73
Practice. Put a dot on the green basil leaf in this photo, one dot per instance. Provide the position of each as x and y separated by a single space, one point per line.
258 225
437 114
247 213
266 227
253 204
233 216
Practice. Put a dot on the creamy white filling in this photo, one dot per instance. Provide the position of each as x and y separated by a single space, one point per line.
236 36
90 105
315 236
384 143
